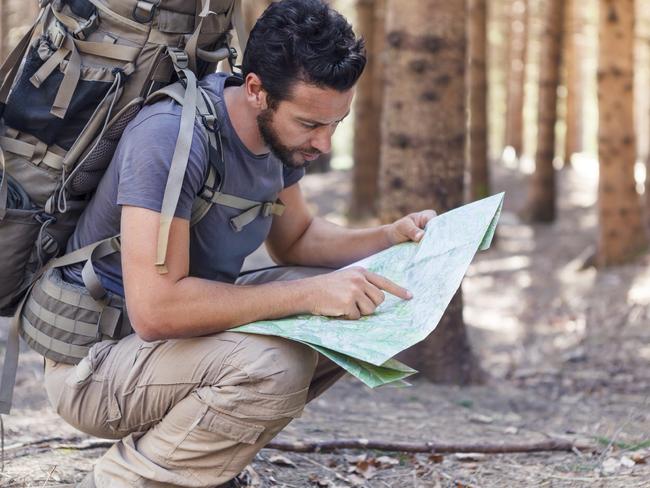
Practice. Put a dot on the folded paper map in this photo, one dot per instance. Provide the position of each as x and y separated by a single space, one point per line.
432 270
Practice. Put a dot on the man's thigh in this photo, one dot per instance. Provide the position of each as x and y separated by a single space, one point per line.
129 385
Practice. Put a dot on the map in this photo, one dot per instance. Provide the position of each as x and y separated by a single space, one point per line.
432 270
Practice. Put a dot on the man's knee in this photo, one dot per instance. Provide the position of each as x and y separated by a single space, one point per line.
273 365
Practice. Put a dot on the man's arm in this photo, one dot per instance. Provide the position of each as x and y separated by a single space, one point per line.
297 237
173 305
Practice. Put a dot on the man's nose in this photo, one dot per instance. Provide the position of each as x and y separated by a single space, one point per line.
322 139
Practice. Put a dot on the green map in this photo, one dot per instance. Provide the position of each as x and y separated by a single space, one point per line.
432 270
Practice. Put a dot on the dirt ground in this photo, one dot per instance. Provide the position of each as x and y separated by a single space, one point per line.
567 351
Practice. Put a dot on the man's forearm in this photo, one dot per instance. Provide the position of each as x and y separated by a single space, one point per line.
193 307
328 244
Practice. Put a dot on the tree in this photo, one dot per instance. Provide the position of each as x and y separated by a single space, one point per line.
423 148
367 108
621 233
541 200
517 56
477 88
573 55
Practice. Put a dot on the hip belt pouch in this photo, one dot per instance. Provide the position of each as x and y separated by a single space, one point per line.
61 321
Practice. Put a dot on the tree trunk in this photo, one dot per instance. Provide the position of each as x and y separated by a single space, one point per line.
367 111
423 148
478 94
251 11
541 201
573 52
517 56
621 233
4 30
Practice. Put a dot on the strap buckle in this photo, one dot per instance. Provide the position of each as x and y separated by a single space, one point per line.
179 58
267 209
57 34
87 27
210 122
149 9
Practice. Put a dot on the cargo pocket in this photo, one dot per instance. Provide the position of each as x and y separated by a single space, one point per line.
18 232
212 443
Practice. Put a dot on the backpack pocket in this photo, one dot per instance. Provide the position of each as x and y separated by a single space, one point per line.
50 115
18 231
34 165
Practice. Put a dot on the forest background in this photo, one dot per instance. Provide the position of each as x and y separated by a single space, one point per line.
549 338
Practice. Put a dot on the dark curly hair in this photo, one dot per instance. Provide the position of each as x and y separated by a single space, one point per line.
303 40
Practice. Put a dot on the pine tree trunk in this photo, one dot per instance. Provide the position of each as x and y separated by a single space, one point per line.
518 48
541 202
573 53
251 11
4 30
621 233
423 148
478 93
367 108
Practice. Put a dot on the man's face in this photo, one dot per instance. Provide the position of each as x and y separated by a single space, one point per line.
300 129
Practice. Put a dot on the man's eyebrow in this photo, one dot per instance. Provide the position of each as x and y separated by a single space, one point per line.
316 122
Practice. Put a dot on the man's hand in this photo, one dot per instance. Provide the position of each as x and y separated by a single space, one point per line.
409 228
350 293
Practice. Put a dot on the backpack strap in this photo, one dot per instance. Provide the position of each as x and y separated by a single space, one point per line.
180 157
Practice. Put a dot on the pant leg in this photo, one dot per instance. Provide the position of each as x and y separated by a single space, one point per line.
188 412
327 372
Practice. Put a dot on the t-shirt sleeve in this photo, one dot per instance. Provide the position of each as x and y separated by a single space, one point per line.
292 175
145 151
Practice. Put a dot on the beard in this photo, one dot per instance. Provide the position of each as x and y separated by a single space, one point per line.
290 157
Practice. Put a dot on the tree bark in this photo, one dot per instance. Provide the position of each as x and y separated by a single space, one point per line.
367 111
478 96
573 52
621 233
517 58
423 148
251 11
4 30
541 201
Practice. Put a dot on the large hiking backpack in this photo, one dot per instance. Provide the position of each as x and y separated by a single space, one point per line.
68 90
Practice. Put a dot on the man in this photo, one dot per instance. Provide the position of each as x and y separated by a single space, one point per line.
190 402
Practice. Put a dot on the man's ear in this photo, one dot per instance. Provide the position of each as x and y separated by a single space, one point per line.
255 92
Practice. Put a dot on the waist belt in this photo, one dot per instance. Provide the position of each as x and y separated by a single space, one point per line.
62 321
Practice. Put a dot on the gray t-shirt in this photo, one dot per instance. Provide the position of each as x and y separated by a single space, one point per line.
137 176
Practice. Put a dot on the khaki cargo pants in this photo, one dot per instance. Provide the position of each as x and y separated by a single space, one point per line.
188 412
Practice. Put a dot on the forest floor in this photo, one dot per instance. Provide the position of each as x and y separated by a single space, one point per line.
567 351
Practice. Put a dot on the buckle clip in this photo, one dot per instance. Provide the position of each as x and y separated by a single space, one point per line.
149 9
267 209
57 34
179 58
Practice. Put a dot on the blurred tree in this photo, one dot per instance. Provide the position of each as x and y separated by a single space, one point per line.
478 95
573 64
516 77
621 233
541 196
367 108
4 29
423 149
252 9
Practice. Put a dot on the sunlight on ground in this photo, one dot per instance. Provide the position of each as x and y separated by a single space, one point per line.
640 290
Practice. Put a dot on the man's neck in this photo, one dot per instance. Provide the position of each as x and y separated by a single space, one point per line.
244 119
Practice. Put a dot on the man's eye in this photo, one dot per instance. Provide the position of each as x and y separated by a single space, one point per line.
307 125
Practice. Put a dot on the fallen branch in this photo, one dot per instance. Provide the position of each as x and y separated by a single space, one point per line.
328 446
427 447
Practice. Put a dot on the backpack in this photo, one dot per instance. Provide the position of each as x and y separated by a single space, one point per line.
76 79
